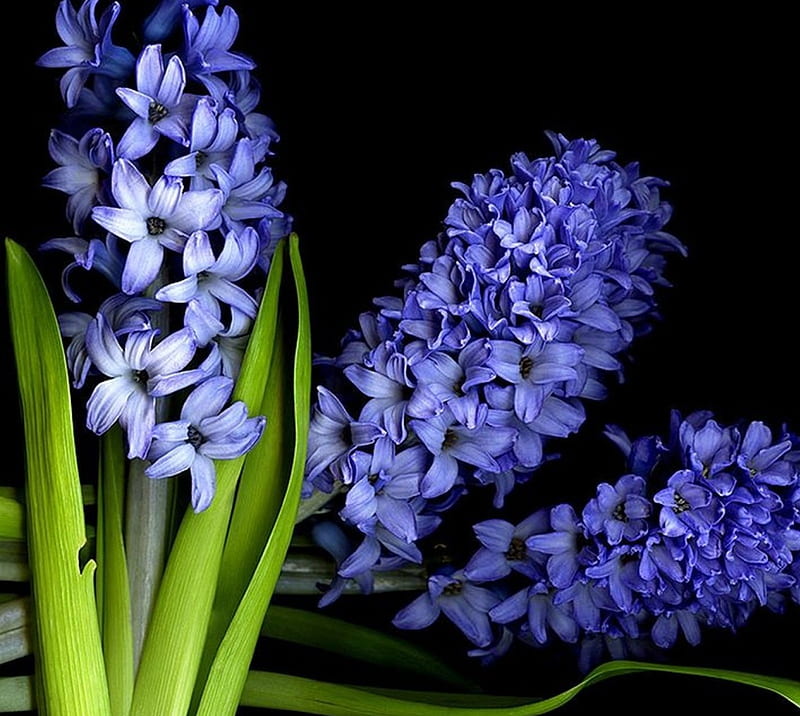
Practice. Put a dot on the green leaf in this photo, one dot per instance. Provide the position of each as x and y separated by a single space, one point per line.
114 601
69 662
182 610
258 499
229 670
294 693
357 642
12 520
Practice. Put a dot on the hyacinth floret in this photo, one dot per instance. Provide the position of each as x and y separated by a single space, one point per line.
175 178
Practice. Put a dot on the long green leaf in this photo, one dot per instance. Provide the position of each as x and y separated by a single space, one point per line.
174 642
70 669
294 693
357 642
258 499
229 670
114 602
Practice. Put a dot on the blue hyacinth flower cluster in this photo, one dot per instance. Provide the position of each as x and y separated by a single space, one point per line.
514 316
162 155
701 530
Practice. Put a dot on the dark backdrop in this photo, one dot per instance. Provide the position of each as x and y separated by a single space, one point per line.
380 109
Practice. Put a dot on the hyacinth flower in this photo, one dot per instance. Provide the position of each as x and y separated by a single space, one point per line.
155 356
514 317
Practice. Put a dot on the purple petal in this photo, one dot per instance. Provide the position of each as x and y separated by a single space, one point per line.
106 403
149 70
495 534
142 265
172 83
197 210
473 623
175 461
218 427
139 139
165 196
421 613
440 477
138 418
172 354
104 348
204 482
398 517
138 102
207 399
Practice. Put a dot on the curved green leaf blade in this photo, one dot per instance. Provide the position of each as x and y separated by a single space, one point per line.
294 693
229 670
258 499
114 597
179 623
357 642
69 662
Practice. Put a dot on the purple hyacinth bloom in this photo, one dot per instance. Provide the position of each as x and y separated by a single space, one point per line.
332 437
243 96
763 459
209 279
450 442
382 492
211 140
158 102
567 544
536 603
123 313
103 257
138 374
207 48
711 450
618 571
619 511
153 218
82 161
688 508
386 382
248 195
589 603
206 431
533 369
535 306
504 549
454 382
87 47
463 603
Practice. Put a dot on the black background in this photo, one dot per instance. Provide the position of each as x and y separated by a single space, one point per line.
380 109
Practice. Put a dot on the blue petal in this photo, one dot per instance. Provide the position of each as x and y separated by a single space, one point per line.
421 613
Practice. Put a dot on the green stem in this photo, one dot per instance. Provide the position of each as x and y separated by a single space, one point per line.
303 573
146 519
